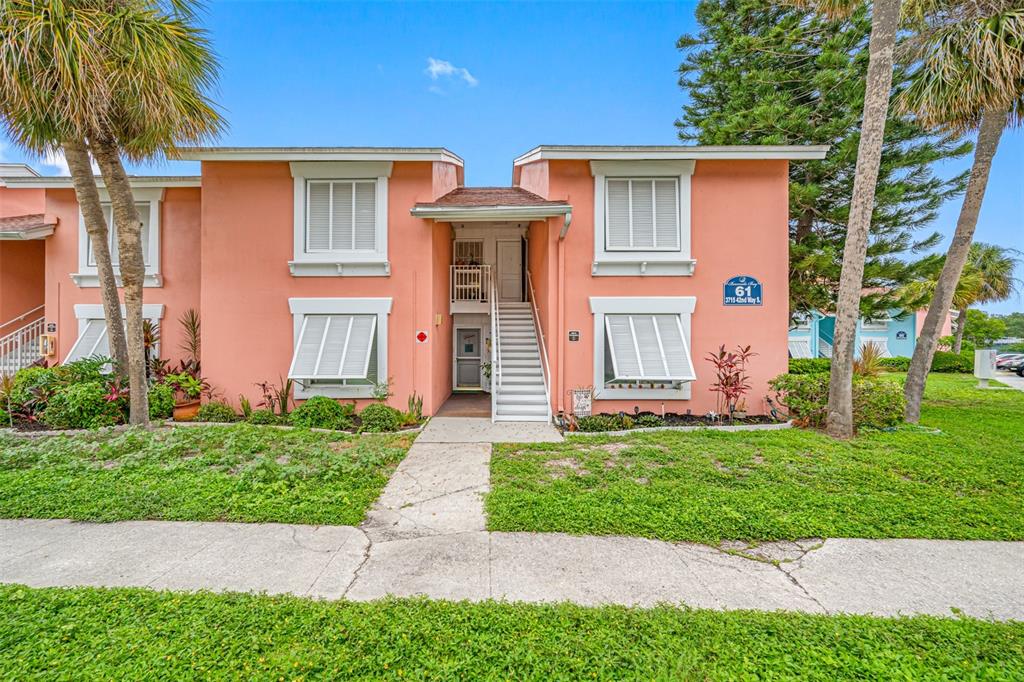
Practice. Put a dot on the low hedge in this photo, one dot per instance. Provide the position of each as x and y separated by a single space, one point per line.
321 412
379 418
82 406
944 363
216 412
876 403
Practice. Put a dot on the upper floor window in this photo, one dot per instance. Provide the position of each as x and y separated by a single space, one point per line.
341 215
148 200
642 217
880 324
642 214
115 252
341 218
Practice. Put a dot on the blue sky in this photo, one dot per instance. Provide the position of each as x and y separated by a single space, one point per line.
486 80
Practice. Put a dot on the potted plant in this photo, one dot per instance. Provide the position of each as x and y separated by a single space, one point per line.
188 390
739 410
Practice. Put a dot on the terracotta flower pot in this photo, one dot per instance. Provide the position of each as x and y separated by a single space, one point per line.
187 411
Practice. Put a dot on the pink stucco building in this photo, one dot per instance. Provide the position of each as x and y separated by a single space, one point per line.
600 267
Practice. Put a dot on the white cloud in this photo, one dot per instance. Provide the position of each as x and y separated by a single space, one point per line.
57 161
439 68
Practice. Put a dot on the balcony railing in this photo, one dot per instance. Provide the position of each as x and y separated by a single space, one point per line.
20 348
470 283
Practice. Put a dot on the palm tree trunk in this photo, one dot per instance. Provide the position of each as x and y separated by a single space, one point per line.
884 20
77 155
961 323
993 121
133 271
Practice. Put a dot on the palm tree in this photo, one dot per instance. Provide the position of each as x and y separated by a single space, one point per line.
134 84
969 75
48 65
885 15
991 268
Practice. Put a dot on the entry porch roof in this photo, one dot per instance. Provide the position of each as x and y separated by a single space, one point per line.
467 204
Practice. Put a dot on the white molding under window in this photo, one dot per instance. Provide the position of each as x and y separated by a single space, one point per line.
88 276
381 307
664 261
340 262
632 305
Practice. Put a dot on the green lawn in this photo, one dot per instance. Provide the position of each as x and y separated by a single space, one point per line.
211 473
964 482
134 634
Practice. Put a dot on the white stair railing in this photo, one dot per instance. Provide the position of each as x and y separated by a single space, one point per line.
20 348
543 348
495 353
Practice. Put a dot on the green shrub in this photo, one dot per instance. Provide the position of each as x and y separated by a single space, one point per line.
876 402
378 417
85 370
264 417
161 401
951 363
647 421
81 406
32 386
216 412
895 364
321 412
605 422
809 365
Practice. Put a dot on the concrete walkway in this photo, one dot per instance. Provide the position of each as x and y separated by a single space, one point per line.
426 536
1011 380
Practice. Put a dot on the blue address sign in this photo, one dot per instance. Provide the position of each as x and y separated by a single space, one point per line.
742 290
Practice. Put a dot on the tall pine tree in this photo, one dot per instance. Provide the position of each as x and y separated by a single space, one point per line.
765 73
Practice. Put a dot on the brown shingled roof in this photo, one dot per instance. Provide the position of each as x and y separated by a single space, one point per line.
23 223
490 196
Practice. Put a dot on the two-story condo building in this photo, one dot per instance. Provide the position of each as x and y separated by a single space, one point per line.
342 268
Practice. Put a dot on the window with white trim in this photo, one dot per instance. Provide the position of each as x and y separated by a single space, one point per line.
880 324
642 217
336 349
642 347
799 348
93 340
115 251
642 214
340 346
340 218
148 201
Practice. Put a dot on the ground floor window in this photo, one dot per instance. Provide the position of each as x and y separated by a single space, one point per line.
642 347
93 340
340 346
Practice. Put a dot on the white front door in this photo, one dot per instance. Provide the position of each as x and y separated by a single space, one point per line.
510 271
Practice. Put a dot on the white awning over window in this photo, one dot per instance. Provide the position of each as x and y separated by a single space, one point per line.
334 347
799 348
882 343
648 348
92 341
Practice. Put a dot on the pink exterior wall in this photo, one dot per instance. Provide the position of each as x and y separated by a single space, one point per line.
441 341
246 246
739 227
21 280
179 253
947 324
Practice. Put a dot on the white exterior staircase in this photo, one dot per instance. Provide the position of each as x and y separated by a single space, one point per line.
520 392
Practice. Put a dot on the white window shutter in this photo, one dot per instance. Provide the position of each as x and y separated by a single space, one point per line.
666 203
92 341
642 201
648 348
799 348
618 214
144 218
341 217
334 347
365 228
318 217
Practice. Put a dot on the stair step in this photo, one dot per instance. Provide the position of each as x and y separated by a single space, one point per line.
524 380
504 400
521 389
523 411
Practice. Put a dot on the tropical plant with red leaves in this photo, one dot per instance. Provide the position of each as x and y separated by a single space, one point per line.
731 379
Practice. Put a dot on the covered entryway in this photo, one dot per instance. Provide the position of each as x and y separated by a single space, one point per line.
466 405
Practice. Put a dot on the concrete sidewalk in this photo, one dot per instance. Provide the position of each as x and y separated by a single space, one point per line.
882 577
426 535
